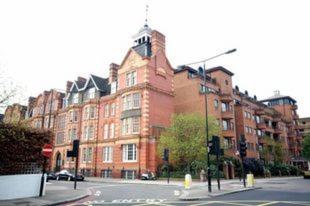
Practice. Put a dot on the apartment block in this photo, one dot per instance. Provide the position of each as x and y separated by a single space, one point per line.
237 113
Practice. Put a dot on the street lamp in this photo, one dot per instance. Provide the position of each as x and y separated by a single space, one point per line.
206 107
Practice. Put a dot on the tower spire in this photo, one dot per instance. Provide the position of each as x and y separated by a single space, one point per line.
146 13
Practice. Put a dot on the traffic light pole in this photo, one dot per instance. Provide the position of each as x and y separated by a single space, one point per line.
218 170
207 127
243 172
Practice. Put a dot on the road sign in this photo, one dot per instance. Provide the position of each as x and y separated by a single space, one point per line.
47 150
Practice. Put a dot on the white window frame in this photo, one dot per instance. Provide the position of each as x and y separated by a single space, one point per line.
106 110
112 130
131 78
126 153
106 131
107 154
92 112
113 109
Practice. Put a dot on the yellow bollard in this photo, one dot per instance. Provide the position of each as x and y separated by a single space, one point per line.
188 181
250 180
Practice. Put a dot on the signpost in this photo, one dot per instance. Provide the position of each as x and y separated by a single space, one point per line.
47 151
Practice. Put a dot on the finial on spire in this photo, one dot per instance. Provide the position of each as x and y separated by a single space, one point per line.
146 12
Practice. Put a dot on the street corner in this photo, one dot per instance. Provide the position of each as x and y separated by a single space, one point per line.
201 193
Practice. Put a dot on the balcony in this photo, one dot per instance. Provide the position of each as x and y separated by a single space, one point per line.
228 114
261 140
259 111
294 107
226 98
228 133
269 129
291 134
277 119
261 125
277 130
295 116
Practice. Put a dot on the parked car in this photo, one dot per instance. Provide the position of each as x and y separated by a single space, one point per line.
51 176
65 175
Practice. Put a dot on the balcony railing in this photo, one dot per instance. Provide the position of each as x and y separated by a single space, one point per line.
259 111
228 114
228 133
226 97
261 125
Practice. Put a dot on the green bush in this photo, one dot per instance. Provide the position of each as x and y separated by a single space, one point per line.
21 146
282 170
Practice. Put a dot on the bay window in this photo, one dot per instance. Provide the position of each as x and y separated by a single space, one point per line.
131 125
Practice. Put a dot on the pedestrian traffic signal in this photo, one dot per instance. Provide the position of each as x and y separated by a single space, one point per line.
166 155
242 147
214 146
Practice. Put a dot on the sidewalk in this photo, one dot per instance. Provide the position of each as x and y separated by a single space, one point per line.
177 182
54 195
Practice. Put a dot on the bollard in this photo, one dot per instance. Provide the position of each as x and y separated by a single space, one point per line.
188 181
250 180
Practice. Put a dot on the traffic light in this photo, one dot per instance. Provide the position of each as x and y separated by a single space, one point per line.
166 155
242 146
214 146
75 149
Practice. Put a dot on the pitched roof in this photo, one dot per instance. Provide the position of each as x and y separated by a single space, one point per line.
101 84
143 49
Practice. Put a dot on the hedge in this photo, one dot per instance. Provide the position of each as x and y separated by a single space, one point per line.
20 146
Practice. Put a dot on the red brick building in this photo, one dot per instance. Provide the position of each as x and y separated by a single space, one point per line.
119 118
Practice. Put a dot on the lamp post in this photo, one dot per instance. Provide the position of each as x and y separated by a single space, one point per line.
206 106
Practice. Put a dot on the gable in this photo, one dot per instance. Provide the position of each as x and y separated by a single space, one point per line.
132 60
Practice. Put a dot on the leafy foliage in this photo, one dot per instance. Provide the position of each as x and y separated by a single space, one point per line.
306 147
20 145
186 140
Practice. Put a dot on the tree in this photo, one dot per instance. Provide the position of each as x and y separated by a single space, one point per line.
273 150
186 140
306 147
8 90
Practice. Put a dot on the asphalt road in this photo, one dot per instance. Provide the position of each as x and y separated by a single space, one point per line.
275 193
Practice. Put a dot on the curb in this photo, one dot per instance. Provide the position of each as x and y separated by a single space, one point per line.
88 193
139 183
219 194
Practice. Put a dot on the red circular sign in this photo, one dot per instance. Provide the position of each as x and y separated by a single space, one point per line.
47 150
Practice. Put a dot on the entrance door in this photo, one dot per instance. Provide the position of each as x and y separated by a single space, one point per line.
58 162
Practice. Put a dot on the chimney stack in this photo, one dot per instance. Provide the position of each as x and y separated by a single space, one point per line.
158 42
81 79
113 72
68 86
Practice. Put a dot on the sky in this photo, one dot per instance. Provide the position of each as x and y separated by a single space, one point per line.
44 43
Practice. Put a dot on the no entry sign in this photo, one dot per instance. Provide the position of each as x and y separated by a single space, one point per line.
47 150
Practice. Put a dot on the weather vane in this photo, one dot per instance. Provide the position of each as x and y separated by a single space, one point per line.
146 12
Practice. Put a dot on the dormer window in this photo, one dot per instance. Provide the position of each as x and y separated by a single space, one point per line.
75 98
91 93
